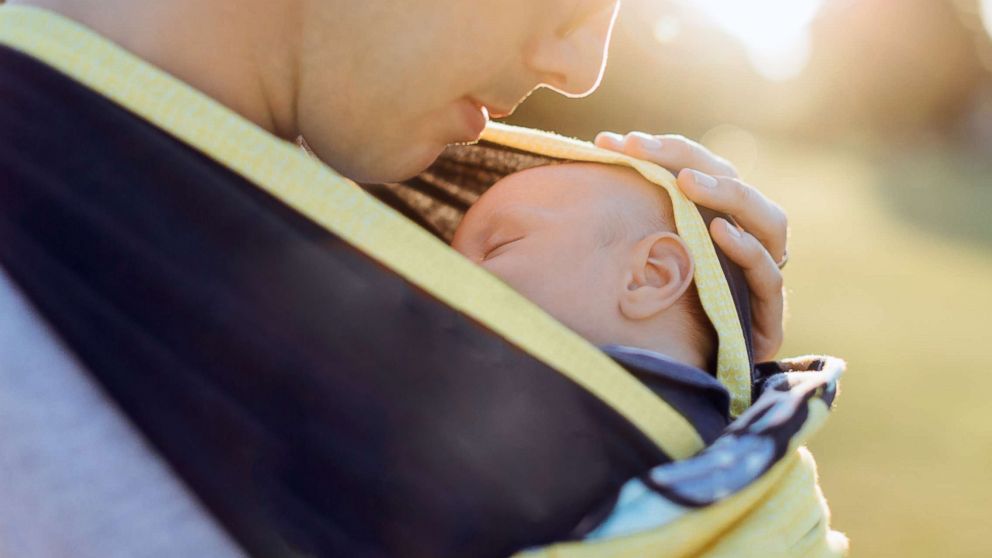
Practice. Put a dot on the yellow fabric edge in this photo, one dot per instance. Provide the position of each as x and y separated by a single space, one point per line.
343 208
770 518
733 365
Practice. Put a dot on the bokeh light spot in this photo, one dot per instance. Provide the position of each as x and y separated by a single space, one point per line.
774 32
987 16
667 29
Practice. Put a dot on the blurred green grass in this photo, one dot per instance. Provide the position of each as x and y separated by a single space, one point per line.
882 275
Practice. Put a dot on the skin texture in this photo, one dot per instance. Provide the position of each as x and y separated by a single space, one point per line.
593 246
378 87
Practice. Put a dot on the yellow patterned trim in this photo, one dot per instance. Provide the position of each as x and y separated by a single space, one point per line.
733 366
340 206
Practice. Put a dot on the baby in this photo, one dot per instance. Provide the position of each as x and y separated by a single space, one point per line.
595 246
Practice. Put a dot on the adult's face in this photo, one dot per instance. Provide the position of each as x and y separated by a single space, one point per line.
416 75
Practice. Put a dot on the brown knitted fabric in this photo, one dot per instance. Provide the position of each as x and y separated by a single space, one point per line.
437 198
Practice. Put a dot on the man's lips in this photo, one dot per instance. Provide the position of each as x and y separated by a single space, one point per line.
475 115
492 109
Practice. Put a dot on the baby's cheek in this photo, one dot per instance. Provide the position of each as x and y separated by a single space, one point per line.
507 268
594 285
529 273
570 289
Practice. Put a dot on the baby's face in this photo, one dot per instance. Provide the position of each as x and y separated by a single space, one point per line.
542 231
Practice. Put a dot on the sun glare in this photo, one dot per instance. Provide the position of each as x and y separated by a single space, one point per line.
774 32
987 16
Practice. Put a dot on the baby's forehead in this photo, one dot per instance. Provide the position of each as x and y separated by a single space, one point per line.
610 198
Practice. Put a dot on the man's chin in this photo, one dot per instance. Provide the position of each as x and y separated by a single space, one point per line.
374 168
402 166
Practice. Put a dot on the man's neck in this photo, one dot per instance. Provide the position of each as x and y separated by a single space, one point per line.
235 51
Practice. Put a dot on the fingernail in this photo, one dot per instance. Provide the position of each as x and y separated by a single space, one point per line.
732 229
614 137
704 180
648 142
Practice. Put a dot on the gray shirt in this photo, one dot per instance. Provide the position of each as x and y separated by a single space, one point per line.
76 477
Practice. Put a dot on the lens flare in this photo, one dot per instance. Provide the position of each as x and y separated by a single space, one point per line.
987 16
774 32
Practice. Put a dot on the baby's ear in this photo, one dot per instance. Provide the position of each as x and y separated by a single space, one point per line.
659 272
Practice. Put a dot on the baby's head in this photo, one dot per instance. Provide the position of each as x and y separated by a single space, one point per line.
595 246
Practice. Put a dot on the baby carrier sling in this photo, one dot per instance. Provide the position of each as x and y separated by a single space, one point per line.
176 248
650 519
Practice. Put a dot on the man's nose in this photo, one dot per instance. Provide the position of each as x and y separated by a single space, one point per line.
573 64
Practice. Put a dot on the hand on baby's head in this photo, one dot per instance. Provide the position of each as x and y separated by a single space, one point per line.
595 246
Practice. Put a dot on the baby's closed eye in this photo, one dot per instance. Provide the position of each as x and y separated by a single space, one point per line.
508 226
498 244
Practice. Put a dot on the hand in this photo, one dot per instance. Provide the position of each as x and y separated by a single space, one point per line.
756 245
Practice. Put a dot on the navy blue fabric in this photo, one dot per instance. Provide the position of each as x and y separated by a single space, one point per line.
695 394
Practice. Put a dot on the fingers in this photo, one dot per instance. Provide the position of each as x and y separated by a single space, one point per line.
764 280
670 151
711 181
756 213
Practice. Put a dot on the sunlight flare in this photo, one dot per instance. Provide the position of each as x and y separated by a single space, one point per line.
774 32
